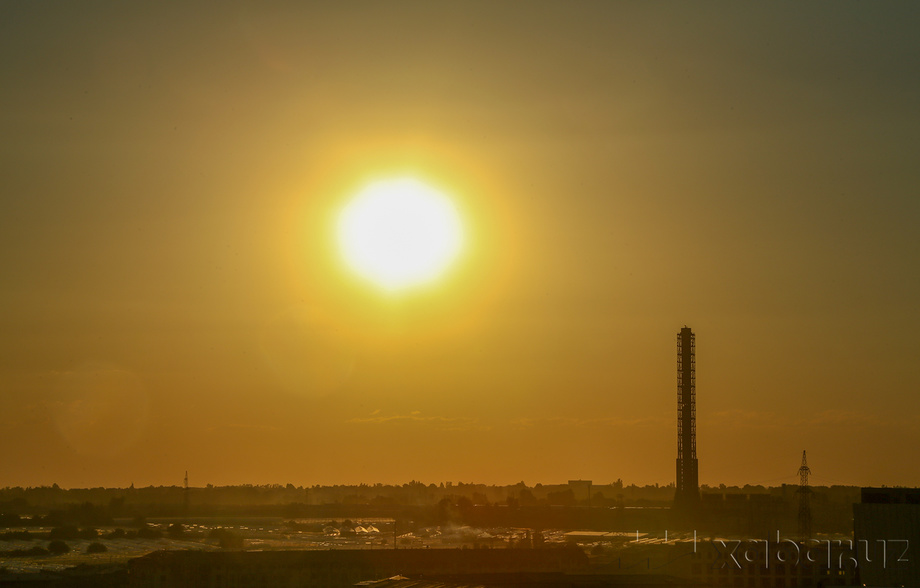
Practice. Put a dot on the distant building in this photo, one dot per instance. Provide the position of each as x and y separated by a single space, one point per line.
886 531
581 489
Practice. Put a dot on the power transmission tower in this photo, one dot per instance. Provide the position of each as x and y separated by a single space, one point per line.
804 502
185 498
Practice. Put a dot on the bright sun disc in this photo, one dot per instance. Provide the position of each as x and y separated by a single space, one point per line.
399 233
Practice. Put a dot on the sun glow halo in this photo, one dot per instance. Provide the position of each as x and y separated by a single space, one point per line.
399 233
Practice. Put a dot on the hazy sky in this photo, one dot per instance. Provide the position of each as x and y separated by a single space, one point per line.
171 297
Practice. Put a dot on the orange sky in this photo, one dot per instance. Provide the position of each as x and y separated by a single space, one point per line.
171 298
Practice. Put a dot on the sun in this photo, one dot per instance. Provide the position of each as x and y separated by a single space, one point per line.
400 233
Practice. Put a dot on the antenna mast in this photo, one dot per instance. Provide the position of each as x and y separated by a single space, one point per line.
687 494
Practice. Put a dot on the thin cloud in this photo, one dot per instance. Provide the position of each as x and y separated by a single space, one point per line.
848 418
770 420
441 422
527 422
244 428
